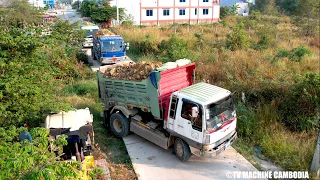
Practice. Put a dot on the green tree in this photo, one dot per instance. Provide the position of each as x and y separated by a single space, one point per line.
224 12
106 13
36 160
19 13
175 48
238 39
288 6
87 7
32 66
234 9
267 6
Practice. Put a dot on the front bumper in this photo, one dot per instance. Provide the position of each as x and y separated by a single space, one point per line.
114 60
87 45
209 151
221 147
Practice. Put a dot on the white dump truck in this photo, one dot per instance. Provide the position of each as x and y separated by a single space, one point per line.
168 109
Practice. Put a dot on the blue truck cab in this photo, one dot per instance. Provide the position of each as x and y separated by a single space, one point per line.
109 49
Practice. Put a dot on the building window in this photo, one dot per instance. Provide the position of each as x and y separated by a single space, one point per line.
195 11
182 0
149 12
166 12
182 12
205 11
205 0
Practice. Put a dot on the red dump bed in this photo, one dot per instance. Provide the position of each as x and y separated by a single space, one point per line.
173 80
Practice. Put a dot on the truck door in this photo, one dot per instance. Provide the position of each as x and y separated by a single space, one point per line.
172 112
185 124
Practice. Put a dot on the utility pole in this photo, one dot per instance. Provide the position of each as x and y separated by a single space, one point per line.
117 13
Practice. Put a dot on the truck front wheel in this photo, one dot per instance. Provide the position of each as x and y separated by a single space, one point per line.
119 125
182 150
92 54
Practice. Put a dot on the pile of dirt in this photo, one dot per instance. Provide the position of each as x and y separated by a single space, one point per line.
132 72
104 32
87 23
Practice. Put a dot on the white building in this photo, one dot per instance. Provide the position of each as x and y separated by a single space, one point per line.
243 5
161 12
37 3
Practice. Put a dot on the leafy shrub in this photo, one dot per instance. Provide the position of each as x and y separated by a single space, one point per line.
36 160
266 39
127 23
238 39
224 11
224 23
96 173
82 56
302 104
176 48
296 54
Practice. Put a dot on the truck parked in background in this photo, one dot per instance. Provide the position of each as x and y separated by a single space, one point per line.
90 29
109 48
167 109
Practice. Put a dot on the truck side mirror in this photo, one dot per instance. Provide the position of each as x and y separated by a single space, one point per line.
195 111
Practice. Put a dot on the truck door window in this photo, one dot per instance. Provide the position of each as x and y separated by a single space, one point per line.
173 107
186 113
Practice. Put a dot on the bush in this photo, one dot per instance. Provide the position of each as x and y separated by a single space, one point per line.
266 39
127 23
36 160
296 54
238 39
176 48
82 56
302 104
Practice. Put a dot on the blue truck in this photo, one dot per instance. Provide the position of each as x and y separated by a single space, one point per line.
109 48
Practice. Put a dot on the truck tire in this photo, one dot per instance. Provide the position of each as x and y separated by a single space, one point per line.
92 54
182 150
119 125
105 119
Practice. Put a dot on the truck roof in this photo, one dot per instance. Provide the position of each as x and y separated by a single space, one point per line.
113 37
204 93
90 27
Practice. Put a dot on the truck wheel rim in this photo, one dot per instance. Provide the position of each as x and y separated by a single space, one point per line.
117 125
179 150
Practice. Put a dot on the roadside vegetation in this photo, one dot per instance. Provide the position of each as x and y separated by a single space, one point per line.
271 61
36 61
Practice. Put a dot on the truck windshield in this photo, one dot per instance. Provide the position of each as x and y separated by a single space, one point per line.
219 113
89 32
112 46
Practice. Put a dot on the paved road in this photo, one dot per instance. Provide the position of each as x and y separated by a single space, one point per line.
69 14
152 162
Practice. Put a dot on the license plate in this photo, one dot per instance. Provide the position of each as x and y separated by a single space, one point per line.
227 145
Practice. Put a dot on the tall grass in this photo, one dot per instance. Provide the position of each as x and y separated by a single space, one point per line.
262 127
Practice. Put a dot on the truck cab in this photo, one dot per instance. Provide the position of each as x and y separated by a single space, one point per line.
110 49
90 30
204 117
